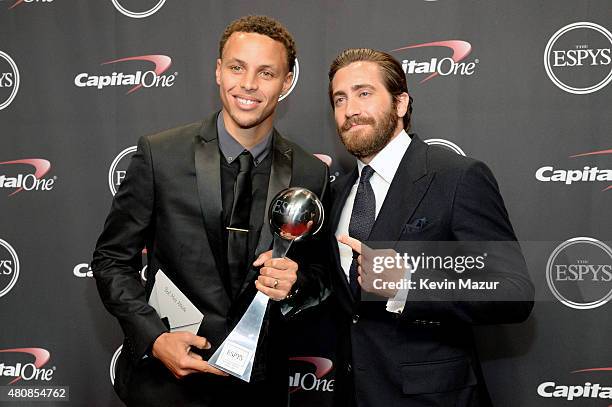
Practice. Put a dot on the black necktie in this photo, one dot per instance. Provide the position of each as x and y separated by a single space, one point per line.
362 220
238 228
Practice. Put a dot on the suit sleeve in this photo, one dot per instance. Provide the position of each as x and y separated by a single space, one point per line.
117 258
479 218
313 260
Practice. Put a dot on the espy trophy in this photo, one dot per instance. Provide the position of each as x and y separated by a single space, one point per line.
294 213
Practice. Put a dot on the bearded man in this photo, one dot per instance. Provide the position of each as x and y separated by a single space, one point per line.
410 347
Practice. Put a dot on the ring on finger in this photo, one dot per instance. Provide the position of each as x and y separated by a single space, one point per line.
275 283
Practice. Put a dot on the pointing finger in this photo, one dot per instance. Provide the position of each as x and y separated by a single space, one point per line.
350 242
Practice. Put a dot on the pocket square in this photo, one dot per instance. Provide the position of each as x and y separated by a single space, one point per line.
416 225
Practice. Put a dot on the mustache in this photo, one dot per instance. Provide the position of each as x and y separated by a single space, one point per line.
355 121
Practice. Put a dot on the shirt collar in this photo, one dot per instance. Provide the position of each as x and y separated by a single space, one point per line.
231 148
386 162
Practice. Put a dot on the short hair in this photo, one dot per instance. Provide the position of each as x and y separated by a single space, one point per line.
391 70
263 25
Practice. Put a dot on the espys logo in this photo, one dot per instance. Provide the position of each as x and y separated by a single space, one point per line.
18 368
446 66
118 168
587 390
305 379
586 174
113 364
22 181
296 75
9 80
578 58
446 144
579 273
157 4
18 2
9 267
139 79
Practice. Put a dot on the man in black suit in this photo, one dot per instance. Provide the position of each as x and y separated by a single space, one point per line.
410 346
197 197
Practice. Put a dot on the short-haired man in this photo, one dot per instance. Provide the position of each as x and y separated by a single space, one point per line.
197 197
412 347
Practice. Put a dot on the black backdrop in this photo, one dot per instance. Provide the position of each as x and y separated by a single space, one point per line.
521 85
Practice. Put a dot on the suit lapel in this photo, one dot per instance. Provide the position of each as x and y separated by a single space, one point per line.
208 174
408 188
280 178
342 188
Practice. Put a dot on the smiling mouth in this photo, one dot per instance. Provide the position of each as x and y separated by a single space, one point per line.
246 102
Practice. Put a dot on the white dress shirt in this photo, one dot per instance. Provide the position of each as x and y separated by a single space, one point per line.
385 165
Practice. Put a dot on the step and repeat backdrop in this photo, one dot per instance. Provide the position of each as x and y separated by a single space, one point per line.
522 85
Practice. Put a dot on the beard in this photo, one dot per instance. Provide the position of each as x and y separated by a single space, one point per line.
368 141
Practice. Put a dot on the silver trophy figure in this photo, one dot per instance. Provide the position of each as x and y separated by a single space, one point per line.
294 213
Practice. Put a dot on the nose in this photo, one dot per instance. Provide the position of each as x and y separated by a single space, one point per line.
249 81
351 108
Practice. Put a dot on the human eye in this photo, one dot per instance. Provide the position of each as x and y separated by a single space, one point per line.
267 74
235 68
338 101
365 93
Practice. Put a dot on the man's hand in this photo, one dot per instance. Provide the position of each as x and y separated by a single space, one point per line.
173 349
276 277
387 279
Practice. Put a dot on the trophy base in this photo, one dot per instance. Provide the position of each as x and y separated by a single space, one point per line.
236 354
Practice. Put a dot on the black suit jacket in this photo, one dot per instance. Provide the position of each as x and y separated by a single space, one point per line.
426 355
170 203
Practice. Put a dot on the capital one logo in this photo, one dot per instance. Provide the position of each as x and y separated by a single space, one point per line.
579 273
9 267
83 270
578 58
588 173
440 63
17 364
449 145
585 390
9 80
120 6
14 178
18 2
153 78
118 168
308 374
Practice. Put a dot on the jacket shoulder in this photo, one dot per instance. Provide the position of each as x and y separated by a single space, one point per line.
170 137
442 160
307 160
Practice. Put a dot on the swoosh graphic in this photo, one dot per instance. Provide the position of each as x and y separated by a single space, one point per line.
601 152
41 357
325 158
161 62
595 369
18 2
41 167
461 49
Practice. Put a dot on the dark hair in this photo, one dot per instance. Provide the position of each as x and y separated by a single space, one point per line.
393 75
263 25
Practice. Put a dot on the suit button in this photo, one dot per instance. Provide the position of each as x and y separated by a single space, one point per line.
355 318
349 368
